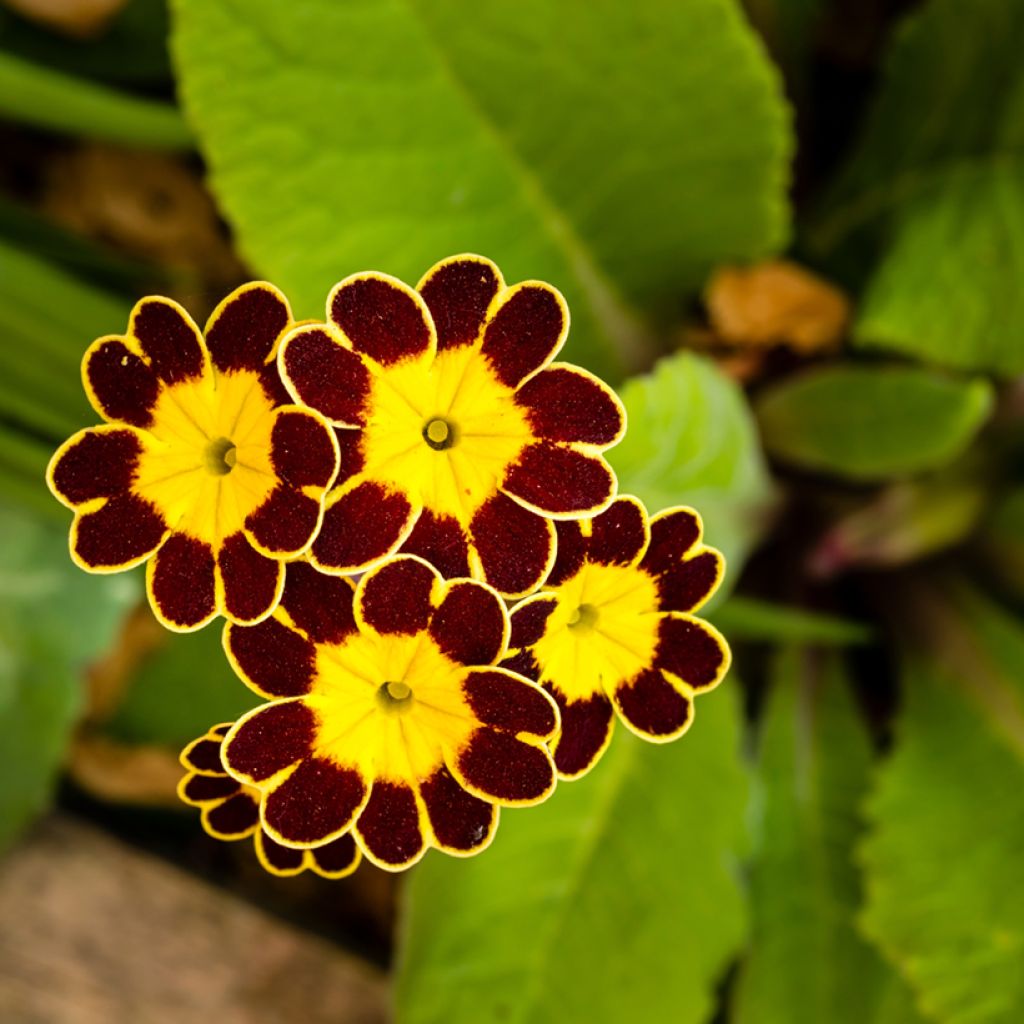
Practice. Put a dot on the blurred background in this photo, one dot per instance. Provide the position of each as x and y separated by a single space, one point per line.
791 233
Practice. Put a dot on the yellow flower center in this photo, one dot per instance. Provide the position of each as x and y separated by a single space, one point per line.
444 430
604 630
397 729
206 460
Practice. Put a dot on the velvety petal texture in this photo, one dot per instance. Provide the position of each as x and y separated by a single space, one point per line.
462 439
612 633
389 720
231 810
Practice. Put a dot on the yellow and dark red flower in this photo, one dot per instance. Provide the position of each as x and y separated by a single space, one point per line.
388 716
231 810
614 630
204 463
461 440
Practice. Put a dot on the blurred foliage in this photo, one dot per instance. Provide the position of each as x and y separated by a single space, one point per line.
838 838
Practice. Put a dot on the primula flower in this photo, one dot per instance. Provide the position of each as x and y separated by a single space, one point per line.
389 717
614 630
464 440
205 462
231 810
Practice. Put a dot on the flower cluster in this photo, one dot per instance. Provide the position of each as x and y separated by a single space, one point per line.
405 516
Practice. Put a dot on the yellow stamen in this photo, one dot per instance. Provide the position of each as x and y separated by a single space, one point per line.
584 617
439 434
221 456
394 697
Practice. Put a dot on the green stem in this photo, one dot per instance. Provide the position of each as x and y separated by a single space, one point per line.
59 102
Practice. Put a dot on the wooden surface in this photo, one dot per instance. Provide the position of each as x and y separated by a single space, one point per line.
95 932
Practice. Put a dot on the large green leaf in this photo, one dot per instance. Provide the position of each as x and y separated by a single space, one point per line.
869 423
692 441
616 900
943 861
807 964
941 171
179 691
616 150
53 620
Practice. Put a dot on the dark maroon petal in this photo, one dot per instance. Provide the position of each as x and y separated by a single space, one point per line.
350 453
458 292
523 664
302 449
278 859
236 817
252 582
285 523
586 730
397 596
571 553
95 463
525 332
687 585
337 858
274 659
652 706
460 821
181 582
318 604
442 542
515 546
691 650
505 769
530 620
325 375
203 756
389 825
121 385
506 702
619 535
382 317
243 329
271 739
201 789
122 533
469 625
558 480
168 339
361 526
273 387
565 403
319 799
673 534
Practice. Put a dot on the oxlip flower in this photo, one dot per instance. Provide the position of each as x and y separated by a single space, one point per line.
388 716
613 631
205 468
461 439
231 811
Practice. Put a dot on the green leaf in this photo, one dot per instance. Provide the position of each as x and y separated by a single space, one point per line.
692 441
616 900
50 99
53 620
746 618
47 320
943 860
870 423
1002 541
618 151
807 964
179 691
938 184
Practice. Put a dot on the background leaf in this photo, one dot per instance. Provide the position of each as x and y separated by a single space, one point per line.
53 620
616 150
807 964
618 899
692 441
869 423
943 858
938 180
